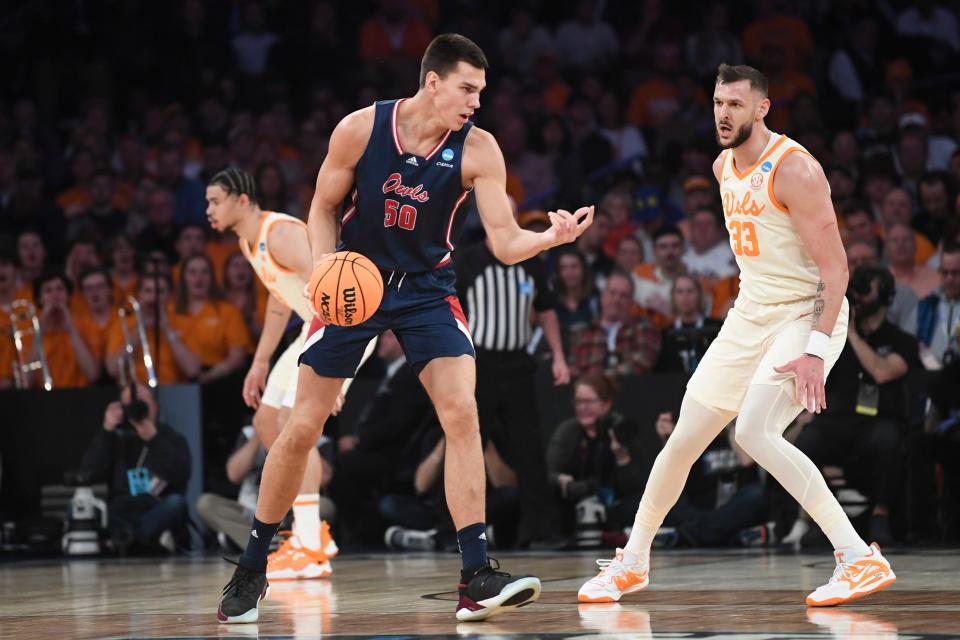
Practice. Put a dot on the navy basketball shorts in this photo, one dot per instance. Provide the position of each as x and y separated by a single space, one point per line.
423 311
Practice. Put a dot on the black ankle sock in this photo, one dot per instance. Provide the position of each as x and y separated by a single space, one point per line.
254 556
473 545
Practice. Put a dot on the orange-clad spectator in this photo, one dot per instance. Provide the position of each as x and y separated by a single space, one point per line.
555 91
101 217
32 258
655 280
785 85
657 99
8 293
211 326
76 199
897 208
191 240
240 291
97 291
394 33
69 342
218 249
174 362
770 26
82 254
123 268
628 258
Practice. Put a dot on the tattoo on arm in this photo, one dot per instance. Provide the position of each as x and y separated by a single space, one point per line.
818 303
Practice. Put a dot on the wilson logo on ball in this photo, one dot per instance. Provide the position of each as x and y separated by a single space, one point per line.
346 289
349 305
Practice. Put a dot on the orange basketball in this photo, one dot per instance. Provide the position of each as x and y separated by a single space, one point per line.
347 288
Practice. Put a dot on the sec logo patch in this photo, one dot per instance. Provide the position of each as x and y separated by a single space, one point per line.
756 180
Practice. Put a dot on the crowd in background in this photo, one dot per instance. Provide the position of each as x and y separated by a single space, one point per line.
114 115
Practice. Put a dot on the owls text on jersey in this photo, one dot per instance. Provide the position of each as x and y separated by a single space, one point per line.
403 211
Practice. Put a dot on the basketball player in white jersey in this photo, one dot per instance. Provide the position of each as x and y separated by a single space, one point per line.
278 250
777 344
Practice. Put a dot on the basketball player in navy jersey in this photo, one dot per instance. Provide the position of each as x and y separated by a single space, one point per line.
406 167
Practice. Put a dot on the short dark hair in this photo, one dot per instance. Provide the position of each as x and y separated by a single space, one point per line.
446 50
732 73
48 275
667 230
949 246
92 271
236 181
857 205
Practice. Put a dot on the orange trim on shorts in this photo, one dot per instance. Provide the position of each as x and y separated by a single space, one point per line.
741 176
773 199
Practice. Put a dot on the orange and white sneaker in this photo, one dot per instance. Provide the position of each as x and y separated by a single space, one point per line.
293 561
854 578
626 573
327 543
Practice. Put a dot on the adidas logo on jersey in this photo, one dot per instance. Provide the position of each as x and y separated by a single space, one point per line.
413 161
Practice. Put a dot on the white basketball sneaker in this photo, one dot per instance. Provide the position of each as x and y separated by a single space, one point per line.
626 573
854 578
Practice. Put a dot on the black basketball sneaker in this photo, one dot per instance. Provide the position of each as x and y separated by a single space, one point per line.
486 591
242 596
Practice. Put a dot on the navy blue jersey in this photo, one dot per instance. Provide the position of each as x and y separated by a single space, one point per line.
407 211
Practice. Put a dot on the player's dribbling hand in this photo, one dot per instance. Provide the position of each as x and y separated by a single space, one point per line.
254 383
808 372
566 227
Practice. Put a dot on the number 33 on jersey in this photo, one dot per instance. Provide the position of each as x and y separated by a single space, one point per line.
764 240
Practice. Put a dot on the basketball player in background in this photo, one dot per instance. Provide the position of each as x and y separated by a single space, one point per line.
777 344
278 250
407 167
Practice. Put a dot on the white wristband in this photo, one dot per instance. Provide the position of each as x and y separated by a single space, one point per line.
817 344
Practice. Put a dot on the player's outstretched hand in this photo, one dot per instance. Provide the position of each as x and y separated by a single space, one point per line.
566 227
808 371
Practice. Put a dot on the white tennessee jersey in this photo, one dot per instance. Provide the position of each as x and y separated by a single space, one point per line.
281 282
774 265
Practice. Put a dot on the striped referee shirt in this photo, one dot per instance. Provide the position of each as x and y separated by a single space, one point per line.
499 299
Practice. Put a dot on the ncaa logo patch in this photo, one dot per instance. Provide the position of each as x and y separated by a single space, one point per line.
756 180
263 246
447 155
766 166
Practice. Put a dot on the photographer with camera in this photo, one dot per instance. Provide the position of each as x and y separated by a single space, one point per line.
686 340
597 461
863 428
146 465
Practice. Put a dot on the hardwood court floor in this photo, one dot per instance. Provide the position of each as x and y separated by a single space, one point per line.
744 594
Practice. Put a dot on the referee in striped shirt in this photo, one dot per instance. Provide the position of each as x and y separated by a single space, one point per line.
501 302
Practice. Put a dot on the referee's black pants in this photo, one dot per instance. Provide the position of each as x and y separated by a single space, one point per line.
507 404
